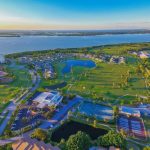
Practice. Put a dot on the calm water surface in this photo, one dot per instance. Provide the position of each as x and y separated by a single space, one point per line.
81 63
73 127
30 43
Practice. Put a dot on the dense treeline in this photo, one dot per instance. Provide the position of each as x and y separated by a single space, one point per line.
81 140
44 52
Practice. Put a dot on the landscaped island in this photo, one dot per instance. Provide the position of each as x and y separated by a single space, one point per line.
97 89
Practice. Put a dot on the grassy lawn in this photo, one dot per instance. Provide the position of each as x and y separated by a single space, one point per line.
102 81
22 81
106 81
121 49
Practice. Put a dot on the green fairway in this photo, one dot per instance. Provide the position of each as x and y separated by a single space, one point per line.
105 81
122 49
22 81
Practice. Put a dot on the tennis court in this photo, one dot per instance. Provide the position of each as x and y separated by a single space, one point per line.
133 126
100 112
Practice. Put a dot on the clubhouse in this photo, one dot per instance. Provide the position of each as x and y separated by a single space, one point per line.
52 98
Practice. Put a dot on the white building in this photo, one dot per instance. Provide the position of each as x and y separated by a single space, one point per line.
48 99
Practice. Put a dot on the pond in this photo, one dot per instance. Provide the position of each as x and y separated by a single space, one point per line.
73 127
100 112
56 86
82 63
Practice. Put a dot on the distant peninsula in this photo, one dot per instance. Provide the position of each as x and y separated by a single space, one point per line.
19 33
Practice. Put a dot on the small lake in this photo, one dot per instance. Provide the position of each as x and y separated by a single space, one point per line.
74 63
73 127
98 111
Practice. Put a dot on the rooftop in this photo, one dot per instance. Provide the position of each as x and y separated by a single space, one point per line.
2 73
28 143
48 98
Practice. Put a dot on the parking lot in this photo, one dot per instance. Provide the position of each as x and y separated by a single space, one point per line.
25 118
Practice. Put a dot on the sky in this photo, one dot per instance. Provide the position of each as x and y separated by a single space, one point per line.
74 14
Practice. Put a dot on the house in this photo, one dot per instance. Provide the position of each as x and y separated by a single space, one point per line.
32 144
52 98
130 111
48 73
3 74
143 55
121 60
133 53
117 60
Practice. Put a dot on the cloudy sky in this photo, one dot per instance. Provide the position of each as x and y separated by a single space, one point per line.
74 14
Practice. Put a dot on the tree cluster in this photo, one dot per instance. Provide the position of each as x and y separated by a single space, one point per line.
112 139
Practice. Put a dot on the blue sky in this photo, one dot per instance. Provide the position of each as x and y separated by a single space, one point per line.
74 14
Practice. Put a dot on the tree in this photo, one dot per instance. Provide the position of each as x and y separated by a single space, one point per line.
62 144
24 120
8 132
6 147
79 141
116 110
146 148
39 134
112 139
95 123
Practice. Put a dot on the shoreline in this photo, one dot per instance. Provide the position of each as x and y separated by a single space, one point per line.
69 49
20 33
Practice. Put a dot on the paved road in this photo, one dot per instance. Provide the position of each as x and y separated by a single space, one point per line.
11 140
36 85
10 108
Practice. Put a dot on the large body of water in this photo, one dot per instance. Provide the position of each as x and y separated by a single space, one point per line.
29 43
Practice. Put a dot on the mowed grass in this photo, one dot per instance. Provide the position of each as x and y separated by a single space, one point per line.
22 81
122 49
103 81
99 81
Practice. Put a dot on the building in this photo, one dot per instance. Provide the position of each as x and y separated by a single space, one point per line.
32 144
49 73
3 74
52 98
130 111
143 55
